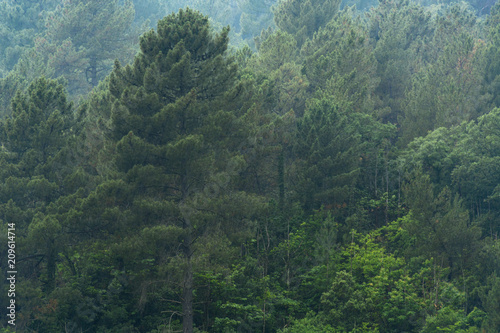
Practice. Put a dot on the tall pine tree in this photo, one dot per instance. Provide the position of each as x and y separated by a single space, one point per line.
176 119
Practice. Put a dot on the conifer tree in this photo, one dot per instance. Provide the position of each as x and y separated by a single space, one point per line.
28 68
399 31
492 72
84 37
255 17
303 18
176 122
21 21
448 91
339 61
35 162
326 149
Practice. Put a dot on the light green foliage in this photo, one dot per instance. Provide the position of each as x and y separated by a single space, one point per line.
451 320
311 324
221 13
275 64
29 67
367 292
276 50
360 5
149 11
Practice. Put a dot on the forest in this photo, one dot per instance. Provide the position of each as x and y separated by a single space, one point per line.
263 166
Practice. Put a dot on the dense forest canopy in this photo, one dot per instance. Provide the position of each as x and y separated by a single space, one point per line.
250 166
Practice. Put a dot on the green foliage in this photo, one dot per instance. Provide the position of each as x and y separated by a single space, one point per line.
83 38
462 158
338 60
255 16
329 145
448 91
21 21
451 320
207 190
303 18
399 30
36 141
170 122
149 11
441 225
492 65
326 142
311 324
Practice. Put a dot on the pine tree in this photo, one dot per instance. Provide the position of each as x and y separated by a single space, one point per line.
448 91
21 22
177 123
84 37
34 161
28 68
492 72
339 61
326 149
399 31
255 17
303 18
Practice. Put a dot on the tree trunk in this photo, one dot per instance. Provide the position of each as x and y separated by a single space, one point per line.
51 267
92 73
281 179
187 286
187 292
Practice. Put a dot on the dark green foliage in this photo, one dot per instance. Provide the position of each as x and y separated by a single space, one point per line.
173 111
490 295
39 127
329 146
441 226
36 159
326 144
